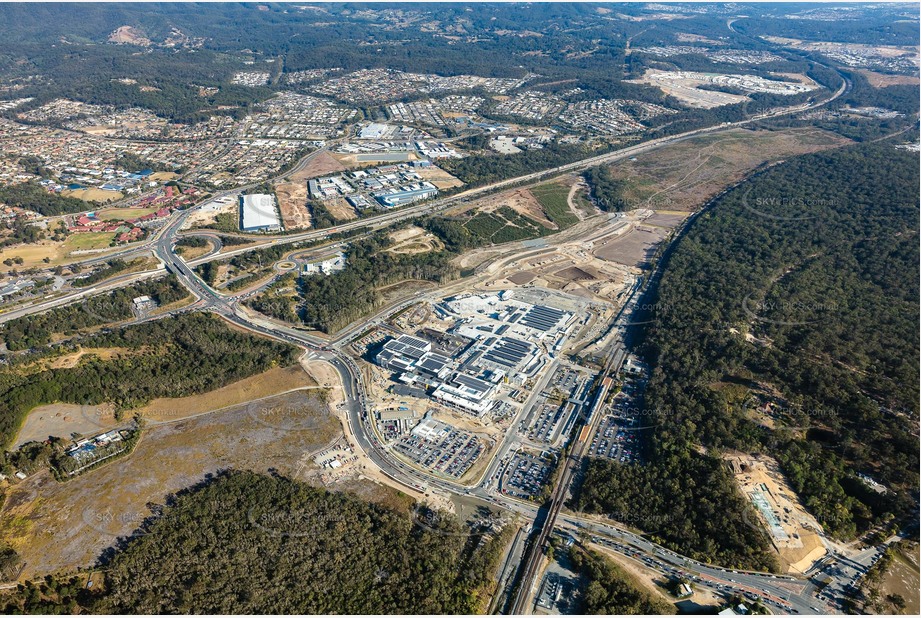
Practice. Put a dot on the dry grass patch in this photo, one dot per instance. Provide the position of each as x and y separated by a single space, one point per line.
63 526
685 175
271 382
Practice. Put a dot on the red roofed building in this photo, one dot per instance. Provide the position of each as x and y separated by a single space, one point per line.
130 236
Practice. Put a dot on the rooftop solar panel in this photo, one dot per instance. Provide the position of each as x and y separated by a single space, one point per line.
503 358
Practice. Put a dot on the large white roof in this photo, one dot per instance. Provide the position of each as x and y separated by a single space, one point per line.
259 211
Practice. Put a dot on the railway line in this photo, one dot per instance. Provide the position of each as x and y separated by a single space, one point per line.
358 414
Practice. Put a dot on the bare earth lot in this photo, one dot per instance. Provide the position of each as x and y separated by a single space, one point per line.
412 240
633 248
292 202
62 419
292 195
340 209
803 545
439 177
321 165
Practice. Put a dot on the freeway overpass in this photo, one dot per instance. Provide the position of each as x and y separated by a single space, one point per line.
358 415
167 234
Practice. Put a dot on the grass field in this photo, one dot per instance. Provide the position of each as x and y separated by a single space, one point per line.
902 578
685 175
271 382
57 252
553 198
120 214
94 195
89 240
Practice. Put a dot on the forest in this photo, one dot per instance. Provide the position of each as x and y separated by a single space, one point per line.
331 302
244 543
604 190
105 271
481 170
609 590
786 323
173 357
31 196
37 329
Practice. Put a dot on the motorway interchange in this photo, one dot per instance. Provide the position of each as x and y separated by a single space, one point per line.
780 593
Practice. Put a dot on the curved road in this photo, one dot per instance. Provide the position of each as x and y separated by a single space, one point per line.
358 414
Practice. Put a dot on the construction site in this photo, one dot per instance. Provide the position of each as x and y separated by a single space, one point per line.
795 534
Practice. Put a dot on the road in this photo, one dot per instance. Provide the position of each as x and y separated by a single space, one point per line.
789 592
168 233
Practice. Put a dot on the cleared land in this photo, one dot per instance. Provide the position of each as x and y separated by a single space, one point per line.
62 419
563 262
340 209
521 201
321 165
902 578
292 200
371 158
881 80
94 195
67 525
684 176
292 195
687 91
121 214
412 239
271 382
633 248
439 177
885 51
76 246
795 534
206 216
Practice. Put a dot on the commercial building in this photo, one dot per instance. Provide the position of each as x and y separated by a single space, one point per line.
326 265
496 342
376 130
258 213
454 383
466 392
407 195
402 353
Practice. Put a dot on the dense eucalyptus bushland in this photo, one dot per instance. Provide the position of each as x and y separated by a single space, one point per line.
798 289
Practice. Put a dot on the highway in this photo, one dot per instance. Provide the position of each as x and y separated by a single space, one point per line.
169 232
789 593
543 528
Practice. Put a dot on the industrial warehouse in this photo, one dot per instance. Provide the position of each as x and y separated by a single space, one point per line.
495 340
258 213
389 186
